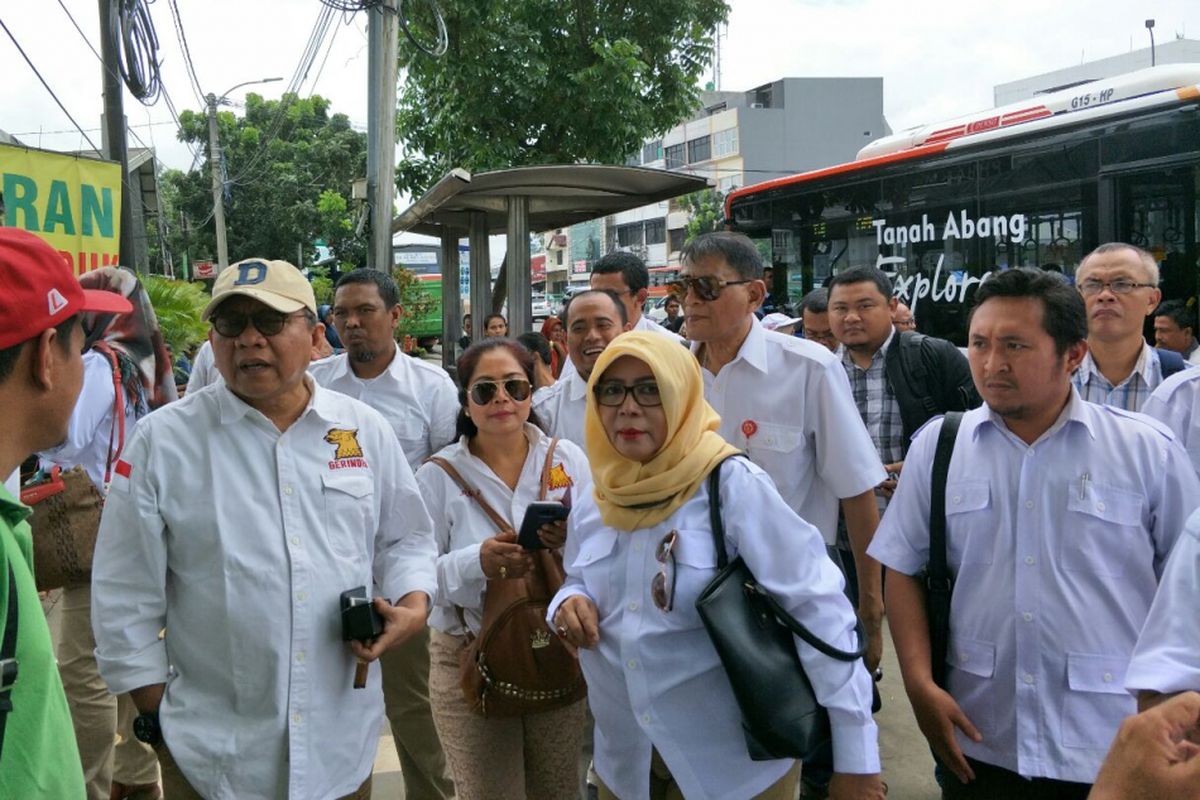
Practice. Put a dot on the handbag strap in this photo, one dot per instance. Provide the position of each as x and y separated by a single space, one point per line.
472 493
547 465
752 586
8 653
938 586
117 431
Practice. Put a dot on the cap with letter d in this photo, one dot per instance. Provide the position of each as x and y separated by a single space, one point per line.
277 284
39 291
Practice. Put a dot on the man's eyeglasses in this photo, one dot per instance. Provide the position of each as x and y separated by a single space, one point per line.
484 392
613 393
662 590
268 323
1119 286
706 287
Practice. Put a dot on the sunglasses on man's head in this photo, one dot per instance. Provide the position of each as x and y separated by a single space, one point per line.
269 323
484 392
706 287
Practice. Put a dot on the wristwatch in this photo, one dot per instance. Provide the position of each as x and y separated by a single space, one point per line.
146 729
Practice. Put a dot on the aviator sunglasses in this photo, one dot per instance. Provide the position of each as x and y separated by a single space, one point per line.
268 323
662 591
706 287
484 392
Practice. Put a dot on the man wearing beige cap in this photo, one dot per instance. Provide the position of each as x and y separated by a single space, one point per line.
236 518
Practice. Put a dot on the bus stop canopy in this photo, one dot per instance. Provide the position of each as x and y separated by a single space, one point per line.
517 201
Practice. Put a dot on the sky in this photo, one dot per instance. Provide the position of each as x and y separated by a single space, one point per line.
938 58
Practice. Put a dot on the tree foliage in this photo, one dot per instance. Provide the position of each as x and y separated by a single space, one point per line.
707 212
282 162
550 81
178 306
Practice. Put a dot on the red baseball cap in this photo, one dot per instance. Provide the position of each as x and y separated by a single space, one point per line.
38 290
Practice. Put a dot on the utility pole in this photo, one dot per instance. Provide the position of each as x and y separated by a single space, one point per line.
114 128
382 52
218 186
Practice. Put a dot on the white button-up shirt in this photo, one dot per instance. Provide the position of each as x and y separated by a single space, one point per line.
787 403
461 526
561 406
418 399
655 679
1132 392
1055 548
1167 656
90 432
204 370
239 539
1176 404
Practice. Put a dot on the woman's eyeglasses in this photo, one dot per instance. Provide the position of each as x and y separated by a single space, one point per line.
662 591
484 392
613 393
268 323
706 287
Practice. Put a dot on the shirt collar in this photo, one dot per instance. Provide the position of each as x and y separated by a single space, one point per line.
12 511
233 409
1075 411
1143 367
879 355
343 367
576 387
754 348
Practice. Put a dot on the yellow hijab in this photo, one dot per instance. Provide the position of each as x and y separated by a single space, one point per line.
632 495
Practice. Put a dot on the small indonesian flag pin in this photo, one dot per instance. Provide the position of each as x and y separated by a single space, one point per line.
749 428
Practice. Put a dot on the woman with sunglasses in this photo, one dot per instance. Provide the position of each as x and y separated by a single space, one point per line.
639 553
501 454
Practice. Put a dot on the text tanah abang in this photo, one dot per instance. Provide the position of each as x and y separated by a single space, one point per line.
958 226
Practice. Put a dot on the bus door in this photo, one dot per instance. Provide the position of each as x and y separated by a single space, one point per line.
1156 210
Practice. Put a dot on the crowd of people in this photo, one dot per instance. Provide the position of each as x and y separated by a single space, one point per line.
324 534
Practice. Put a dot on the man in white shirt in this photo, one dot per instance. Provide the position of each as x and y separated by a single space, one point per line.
626 274
1059 517
421 403
1119 284
204 371
1176 404
594 318
1174 329
786 402
295 495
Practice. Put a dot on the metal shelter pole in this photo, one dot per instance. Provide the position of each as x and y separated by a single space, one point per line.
451 299
517 280
481 274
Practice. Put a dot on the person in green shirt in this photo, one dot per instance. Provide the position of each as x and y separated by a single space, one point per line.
41 373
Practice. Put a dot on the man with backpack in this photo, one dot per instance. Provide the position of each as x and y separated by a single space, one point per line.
1119 284
900 379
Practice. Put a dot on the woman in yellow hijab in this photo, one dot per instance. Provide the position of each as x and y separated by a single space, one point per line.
639 554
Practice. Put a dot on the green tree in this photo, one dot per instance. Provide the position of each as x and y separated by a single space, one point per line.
550 81
178 306
706 209
416 302
282 160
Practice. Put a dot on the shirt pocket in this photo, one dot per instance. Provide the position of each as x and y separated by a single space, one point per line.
410 430
970 522
970 679
779 450
594 564
1103 531
1096 700
695 566
349 513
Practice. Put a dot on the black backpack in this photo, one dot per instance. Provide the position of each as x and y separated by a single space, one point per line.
929 376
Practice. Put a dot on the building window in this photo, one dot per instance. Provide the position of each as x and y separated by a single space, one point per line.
652 151
677 236
629 235
728 183
699 149
656 231
725 143
674 156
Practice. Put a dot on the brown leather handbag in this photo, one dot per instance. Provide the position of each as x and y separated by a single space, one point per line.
67 505
516 665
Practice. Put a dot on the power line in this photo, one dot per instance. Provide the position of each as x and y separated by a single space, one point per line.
75 130
187 53
21 50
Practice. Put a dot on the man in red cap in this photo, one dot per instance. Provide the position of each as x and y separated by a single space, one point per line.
41 373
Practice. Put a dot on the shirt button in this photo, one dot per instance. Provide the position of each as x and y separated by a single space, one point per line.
1029 504
1029 560
963 657
301 597
300 657
296 541
632 663
957 499
1099 506
1028 678
1027 617
633 606
1108 677
637 547
287 489
646 718
297 718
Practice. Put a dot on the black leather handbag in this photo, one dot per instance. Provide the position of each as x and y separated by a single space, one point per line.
752 634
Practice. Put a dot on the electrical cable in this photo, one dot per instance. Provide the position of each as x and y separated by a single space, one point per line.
187 53
21 50
131 32
442 42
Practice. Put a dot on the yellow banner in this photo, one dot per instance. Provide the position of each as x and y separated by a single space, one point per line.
72 202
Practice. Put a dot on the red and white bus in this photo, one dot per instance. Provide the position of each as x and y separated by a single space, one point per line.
1038 183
